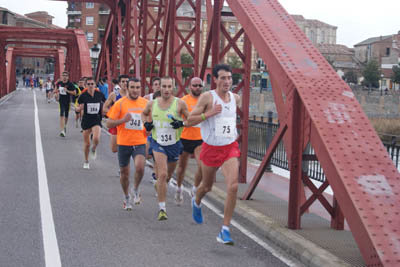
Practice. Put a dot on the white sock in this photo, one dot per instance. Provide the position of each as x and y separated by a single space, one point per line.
179 189
162 206
224 227
127 197
197 206
194 189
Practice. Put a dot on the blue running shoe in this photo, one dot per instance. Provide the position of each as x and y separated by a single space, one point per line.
224 237
196 212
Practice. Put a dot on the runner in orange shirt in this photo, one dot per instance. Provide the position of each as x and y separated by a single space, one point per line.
125 114
191 140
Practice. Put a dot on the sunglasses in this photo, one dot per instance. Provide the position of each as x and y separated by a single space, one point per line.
197 85
90 83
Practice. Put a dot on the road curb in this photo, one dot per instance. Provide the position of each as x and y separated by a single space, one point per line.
294 244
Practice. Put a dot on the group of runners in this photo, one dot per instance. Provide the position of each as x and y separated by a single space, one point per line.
166 128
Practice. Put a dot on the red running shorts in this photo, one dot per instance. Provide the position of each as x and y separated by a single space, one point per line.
215 156
113 131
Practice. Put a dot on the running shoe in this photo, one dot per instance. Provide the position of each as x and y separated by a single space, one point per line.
86 165
127 204
162 215
196 212
224 237
62 134
93 154
154 178
179 197
137 198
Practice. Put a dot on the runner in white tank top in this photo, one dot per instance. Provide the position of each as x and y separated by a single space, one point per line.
216 110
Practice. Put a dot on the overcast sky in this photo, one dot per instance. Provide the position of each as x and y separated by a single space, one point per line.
356 20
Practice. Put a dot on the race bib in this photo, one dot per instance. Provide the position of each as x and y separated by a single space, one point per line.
93 108
166 136
135 123
62 90
225 127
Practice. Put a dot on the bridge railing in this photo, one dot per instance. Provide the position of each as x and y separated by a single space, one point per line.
262 130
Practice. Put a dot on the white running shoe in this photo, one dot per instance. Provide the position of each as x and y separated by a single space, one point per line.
93 154
86 165
137 198
179 197
127 204
62 134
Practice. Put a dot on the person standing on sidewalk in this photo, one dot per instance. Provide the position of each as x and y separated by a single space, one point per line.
91 102
191 141
217 111
163 117
64 90
125 114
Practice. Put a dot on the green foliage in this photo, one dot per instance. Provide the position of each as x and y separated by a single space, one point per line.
186 59
372 74
396 74
236 63
351 77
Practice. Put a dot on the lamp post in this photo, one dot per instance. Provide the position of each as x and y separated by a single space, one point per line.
95 55
382 82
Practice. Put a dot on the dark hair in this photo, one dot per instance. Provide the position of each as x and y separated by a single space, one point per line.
114 81
90 79
156 79
134 79
65 72
219 67
104 79
122 76
82 79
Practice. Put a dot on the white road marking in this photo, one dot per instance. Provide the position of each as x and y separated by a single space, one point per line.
50 245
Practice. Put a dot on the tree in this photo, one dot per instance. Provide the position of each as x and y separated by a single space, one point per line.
371 74
351 77
186 59
396 74
236 63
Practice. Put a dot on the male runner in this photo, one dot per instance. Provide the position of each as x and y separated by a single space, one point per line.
49 89
64 90
125 114
191 141
91 102
112 98
217 111
163 117
155 85
78 89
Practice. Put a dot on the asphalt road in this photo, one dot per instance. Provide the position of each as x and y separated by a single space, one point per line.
91 227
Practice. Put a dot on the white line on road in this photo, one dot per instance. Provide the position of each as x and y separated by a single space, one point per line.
51 251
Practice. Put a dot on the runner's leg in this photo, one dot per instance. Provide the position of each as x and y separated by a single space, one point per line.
230 170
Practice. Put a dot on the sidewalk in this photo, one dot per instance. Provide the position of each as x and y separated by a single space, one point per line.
316 244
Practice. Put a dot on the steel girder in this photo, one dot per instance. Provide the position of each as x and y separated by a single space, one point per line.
78 60
316 107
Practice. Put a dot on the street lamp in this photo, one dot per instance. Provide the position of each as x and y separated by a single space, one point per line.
6 62
381 82
95 55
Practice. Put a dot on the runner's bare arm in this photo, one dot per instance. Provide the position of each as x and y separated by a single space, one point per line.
183 110
79 108
110 100
238 100
146 114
